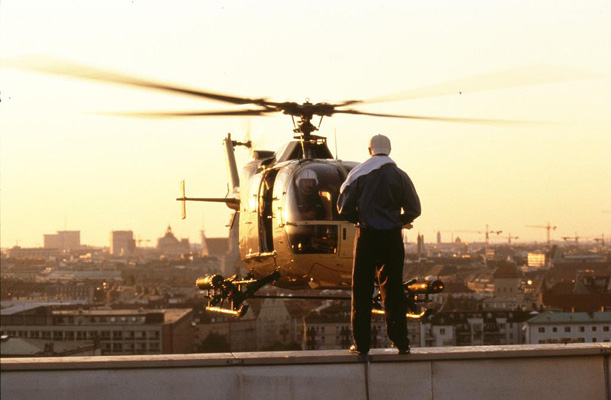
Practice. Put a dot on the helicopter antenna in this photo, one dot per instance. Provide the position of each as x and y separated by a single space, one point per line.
335 137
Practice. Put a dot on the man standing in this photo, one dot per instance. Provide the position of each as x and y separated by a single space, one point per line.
381 199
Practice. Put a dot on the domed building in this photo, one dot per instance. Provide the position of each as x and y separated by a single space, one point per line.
169 246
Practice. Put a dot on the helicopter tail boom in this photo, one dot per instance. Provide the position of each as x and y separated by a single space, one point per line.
232 166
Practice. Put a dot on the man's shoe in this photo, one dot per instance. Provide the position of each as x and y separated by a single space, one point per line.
404 350
355 350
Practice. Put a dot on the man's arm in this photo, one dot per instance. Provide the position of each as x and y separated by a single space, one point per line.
410 201
346 204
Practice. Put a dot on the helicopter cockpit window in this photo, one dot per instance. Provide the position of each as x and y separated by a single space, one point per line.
312 196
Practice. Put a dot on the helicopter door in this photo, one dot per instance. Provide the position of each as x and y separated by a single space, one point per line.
249 218
346 239
266 237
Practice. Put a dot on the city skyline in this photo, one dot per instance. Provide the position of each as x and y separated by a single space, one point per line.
65 166
447 237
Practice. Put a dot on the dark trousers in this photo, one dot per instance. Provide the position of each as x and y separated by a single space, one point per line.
381 253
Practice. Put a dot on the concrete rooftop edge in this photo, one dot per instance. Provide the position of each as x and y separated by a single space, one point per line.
301 357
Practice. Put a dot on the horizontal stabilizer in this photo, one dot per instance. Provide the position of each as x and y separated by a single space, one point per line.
210 199
229 201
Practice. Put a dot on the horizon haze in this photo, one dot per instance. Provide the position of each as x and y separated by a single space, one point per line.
66 165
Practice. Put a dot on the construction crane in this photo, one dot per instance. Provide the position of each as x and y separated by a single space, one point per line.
139 241
486 233
575 238
548 228
509 237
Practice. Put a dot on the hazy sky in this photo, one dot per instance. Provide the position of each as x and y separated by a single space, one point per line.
62 165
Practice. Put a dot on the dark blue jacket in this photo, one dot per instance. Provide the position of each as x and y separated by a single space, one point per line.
385 198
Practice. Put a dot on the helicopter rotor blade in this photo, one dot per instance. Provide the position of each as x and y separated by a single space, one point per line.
348 103
171 114
504 79
74 70
444 119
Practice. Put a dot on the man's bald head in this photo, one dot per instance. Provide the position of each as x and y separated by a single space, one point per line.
379 145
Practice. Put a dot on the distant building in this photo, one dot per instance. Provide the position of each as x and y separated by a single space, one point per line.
565 327
84 293
508 293
122 243
420 250
241 333
536 260
490 253
217 247
224 326
76 276
328 328
474 328
279 322
33 252
63 240
587 291
18 347
119 332
507 281
169 246
454 289
481 283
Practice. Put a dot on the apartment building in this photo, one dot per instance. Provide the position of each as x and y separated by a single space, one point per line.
328 328
566 327
118 332
474 328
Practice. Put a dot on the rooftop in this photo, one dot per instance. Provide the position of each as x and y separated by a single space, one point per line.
19 347
484 372
15 307
170 314
507 271
551 317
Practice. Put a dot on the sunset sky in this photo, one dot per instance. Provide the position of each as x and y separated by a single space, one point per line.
65 165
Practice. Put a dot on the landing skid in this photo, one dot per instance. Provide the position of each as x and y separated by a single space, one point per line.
227 295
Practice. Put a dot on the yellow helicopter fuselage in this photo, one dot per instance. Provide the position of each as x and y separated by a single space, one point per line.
298 233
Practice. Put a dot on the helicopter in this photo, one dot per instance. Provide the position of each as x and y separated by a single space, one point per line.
285 221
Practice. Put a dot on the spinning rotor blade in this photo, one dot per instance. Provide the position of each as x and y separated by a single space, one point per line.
505 79
523 76
443 119
170 114
74 70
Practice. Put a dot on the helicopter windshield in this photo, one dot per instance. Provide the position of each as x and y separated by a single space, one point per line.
312 194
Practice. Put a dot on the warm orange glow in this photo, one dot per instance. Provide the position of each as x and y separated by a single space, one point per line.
67 165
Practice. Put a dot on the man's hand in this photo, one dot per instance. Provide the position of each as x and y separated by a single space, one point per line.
407 226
